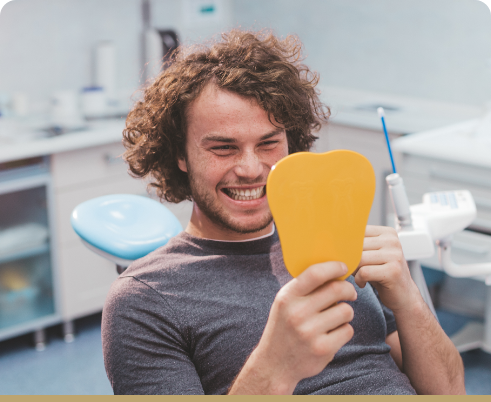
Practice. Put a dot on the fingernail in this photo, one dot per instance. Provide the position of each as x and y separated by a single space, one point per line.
345 268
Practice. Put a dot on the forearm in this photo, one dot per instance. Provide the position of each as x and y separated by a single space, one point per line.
257 377
430 360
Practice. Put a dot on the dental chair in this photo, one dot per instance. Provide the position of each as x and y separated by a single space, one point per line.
124 227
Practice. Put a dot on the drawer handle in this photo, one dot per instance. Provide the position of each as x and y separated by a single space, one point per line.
113 160
470 248
452 176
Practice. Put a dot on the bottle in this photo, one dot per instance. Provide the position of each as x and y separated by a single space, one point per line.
94 102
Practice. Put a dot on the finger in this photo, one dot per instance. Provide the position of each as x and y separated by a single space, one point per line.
337 338
379 257
387 237
329 294
373 231
377 273
373 243
335 316
362 276
329 319
316 275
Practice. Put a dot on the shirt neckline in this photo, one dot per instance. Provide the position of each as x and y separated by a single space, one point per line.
259 245
244 241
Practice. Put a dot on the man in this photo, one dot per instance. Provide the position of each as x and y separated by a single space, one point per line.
215 310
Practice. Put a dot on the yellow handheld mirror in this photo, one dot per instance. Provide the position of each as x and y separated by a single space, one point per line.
320 204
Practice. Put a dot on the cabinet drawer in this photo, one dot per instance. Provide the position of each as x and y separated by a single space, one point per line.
66 201
85 281
70 169
447 171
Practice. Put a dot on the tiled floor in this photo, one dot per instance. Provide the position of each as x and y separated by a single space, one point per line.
78 368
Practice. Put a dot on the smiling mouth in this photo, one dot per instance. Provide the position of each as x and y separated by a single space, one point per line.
245 195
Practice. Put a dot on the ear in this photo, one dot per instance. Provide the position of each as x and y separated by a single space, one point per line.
181 162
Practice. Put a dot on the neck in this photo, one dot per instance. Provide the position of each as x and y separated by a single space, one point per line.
201 226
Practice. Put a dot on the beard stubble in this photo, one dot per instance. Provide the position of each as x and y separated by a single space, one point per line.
208 205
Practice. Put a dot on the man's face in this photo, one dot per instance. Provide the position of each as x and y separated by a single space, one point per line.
230 148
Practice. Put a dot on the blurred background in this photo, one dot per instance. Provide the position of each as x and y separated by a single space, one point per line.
70 71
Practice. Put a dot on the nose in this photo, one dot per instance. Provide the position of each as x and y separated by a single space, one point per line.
249 166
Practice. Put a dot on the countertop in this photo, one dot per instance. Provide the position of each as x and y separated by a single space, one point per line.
455 143
97 133
403 115
348 107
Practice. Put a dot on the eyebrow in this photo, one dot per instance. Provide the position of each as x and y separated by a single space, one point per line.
229 140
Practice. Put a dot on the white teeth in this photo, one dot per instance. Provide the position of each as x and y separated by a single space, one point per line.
245 195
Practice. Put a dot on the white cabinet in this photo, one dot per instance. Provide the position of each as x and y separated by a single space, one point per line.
79 176
28 291
372 145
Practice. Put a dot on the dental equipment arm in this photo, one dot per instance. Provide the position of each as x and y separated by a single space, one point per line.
441 215
400 201
460 270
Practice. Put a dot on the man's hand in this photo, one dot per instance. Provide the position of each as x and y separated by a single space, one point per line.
429 359
384 266
307 325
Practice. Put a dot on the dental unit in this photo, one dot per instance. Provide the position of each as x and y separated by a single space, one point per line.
433 222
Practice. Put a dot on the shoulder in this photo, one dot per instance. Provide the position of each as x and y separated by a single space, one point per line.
161 273
139 282
173 255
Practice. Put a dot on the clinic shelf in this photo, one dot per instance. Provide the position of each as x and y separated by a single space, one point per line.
27 253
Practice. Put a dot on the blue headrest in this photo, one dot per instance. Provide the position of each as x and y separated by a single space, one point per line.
124 225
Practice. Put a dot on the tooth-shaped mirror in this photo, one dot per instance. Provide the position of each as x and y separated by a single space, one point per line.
320 204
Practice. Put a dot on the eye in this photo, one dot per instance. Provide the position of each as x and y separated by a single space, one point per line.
268 144
223 147
223 150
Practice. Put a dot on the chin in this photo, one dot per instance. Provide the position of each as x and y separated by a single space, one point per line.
249 225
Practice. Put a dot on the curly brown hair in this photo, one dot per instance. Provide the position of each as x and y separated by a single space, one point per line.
255 65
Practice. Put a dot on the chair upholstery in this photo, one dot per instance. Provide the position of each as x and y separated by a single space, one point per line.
125 226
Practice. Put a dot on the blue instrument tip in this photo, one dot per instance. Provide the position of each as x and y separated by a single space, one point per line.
381 114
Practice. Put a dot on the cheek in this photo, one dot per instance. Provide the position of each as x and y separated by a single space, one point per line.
211 172
279 153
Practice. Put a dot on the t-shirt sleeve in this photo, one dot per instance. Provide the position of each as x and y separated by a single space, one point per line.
143 346
388 314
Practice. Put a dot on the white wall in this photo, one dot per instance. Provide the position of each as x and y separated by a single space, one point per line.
436 49
46 45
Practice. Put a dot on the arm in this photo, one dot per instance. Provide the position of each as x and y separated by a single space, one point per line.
429 359
306 327
144 352
395 348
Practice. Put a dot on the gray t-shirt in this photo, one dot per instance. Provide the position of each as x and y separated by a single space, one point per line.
184 319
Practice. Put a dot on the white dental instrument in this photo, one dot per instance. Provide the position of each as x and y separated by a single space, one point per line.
435 221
